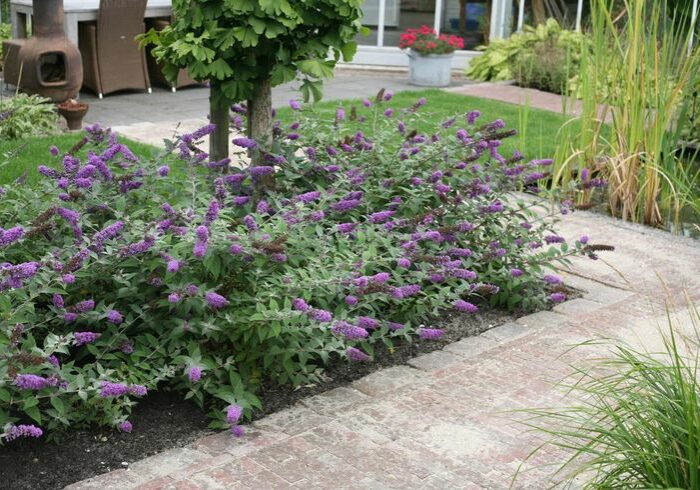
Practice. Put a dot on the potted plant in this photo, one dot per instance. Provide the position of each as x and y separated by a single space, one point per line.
430 56
73 112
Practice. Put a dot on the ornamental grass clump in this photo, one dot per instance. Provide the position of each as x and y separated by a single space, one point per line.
634 420
120 278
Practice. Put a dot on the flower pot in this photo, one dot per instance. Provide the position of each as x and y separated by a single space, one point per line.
432 70
73 112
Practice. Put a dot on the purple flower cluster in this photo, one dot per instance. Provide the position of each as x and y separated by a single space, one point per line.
108 233
201 244
465 306
17 431
246 143
10 236
194 374
31 382
215 300
349 331
430 333
356 355
113 316
83 338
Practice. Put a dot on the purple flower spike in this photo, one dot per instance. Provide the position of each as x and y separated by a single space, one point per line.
294 105
557 297
246 143
194 374
138 390
83 338
125 427
349 331
356 355
237 431
85 306
215 301
551 279
115 317
112 390
321 316
233 414
430 333
58 300
465 306
515 272
17 431
31 382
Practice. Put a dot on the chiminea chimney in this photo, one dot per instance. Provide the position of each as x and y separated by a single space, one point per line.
46 64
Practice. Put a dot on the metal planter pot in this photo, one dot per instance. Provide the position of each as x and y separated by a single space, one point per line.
433 70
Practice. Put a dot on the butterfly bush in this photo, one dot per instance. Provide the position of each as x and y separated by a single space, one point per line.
120 277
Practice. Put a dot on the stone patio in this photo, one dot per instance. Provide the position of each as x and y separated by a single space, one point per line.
446 420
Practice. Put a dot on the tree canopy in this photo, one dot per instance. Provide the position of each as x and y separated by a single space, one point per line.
234 44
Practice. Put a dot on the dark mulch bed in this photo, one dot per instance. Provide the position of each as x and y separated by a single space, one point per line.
164 420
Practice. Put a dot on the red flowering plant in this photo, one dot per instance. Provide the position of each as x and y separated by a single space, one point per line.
427 41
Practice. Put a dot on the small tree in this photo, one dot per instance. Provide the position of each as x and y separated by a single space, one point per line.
245 47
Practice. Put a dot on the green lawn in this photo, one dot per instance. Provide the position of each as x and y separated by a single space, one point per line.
20 156
537 140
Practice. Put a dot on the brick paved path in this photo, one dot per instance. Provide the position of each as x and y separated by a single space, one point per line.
441 422
533 98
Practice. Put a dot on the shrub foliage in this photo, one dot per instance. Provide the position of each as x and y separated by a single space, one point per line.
120 276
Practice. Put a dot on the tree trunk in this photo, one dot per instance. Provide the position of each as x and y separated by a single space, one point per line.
260 119
219 113
539 15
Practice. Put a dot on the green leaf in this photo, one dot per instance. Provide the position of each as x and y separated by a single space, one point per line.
220 69
57 403
348 50
246 36
34 413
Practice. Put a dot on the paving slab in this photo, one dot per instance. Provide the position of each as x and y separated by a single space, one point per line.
450 419
162 105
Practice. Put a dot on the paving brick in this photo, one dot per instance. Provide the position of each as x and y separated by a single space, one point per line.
388 380
114 480
471 346
596 291
506 332
291 421
576 307
434 361
335 401
542 319
166 462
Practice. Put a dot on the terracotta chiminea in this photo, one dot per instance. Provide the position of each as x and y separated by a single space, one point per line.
47 64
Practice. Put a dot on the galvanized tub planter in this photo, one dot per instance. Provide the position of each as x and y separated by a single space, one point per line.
432 70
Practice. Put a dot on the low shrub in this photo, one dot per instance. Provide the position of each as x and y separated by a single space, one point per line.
120 276
501 56
545 68
23 116
5 33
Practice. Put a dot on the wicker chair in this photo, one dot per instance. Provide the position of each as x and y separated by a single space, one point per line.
155 70
112 60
